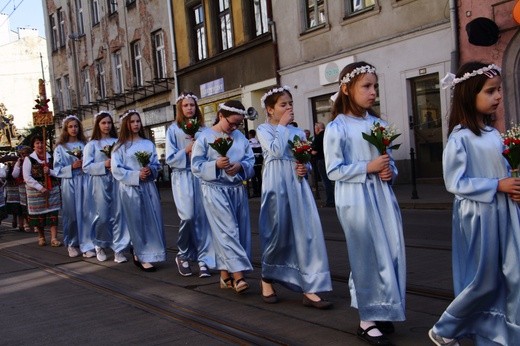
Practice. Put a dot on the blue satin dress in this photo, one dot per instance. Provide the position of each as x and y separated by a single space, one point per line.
371 220
486 251
103 209
73 197
139 200
293 247
225 199
194 240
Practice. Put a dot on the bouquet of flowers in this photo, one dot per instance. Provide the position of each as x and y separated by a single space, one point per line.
512 148
143 157
381 137
301 150
42 104
77 152
107 150
222 144
190 127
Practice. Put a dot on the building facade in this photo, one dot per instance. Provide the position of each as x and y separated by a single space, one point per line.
225 50
410 43
112 55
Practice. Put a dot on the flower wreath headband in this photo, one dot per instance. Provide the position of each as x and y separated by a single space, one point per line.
185 96
273 91
450 79
358 70
232 109
69 117
102 113
127 113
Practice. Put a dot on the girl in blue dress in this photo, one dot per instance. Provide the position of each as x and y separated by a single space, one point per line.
224 195
194 240
486 225
293 248
135 165
68 160
366 206
104 210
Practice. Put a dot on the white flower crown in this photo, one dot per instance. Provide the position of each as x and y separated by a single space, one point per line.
102 113
184 96
450 79
68 117
358 70
127 113
232 109
273 91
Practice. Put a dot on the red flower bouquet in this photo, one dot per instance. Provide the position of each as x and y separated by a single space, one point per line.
42 104
512 148
222 145
381 137
301 150
190 127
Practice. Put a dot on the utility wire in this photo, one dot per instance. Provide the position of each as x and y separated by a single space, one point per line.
15 7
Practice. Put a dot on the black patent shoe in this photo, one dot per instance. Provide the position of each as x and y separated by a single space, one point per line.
321 304
373 340
140 265
386 327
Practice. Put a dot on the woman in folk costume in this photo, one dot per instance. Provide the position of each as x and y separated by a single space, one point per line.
68 161
135 165
12 195
43 192
23 152
293 247
194 239
103 210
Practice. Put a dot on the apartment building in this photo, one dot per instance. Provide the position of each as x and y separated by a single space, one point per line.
112 55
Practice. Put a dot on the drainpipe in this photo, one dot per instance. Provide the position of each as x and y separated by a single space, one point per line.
455 53
174 53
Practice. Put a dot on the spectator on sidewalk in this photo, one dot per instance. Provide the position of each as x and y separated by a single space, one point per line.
259 160
317 151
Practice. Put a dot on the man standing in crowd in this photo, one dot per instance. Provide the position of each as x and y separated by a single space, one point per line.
317 151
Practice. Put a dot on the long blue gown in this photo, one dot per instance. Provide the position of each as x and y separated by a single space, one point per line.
72 197
103 209
293 247
371 220
194 240
225 199
140 200
486 253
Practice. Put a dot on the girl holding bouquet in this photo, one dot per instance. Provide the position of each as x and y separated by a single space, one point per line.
67 166
293 247
104 209
366 206
194 239
135 165
43 192
222 159
486 217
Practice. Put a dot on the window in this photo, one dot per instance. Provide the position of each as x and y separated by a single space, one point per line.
79 17
224 17
118 73
95 12
315 13
86 85
54 32
130 2
67 101
59 94
61 27
261 22
137 64
101 80
355 6
200 33
112 6
159 56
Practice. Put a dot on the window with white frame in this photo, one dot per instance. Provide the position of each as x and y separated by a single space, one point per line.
261 21
101 79
224 17
79 17
67 100
118 73
59 94
137 63
200 33
314 13
112 6
160 54
355 6
86 85
54 32
95 12
61 27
